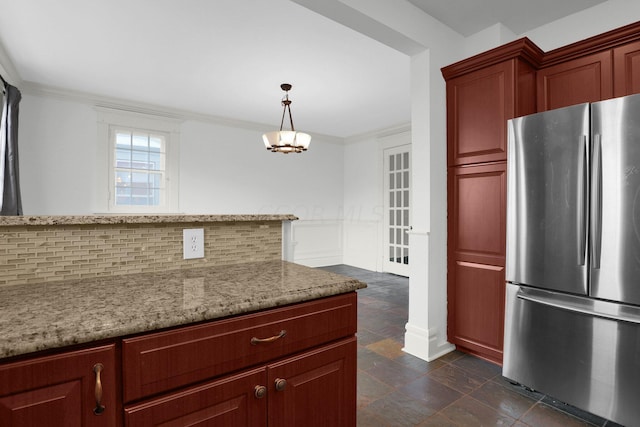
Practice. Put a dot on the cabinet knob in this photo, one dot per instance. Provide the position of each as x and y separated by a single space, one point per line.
260 391
99 409
281 384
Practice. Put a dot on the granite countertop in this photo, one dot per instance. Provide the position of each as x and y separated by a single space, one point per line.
135 219
51 315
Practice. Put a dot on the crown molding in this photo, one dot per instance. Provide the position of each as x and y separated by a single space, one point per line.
119 104
380 133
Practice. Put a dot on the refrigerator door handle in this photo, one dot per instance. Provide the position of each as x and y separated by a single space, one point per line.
602 309
582 199
596 202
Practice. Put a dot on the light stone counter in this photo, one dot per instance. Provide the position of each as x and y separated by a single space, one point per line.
135 219
51 315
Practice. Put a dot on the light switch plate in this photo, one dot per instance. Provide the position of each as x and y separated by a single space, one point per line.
193 243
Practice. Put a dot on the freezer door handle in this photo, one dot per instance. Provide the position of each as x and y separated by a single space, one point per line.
590 307
596 202
582 201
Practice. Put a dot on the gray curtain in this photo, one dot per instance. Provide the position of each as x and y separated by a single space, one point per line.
10 204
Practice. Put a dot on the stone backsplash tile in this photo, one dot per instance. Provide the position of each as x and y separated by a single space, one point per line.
35 254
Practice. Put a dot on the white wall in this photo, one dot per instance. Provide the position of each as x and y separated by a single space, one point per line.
57 155
363 204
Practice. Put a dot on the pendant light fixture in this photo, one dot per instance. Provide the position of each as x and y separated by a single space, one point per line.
286 141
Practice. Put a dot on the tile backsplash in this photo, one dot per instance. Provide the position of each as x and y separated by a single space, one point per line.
47 253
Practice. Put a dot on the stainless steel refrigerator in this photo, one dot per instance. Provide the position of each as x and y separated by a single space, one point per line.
572 318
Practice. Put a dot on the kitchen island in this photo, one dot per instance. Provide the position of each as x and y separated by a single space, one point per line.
257 343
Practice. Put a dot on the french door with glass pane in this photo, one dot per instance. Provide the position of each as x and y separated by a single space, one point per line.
397 164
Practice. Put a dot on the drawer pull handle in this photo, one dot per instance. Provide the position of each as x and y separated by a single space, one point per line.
260 391
281 384
99 409
256 341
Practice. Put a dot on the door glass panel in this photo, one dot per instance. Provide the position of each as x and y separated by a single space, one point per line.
398 175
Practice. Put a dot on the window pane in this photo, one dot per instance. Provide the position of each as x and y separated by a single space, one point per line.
140 160
140 142
406 198
405 256
406 179
392 181
391 163
399 219
406 160
139 180
155 161
391 217
398 162
155 180
156 143
123 158
399 179
405 214
123 179
123 139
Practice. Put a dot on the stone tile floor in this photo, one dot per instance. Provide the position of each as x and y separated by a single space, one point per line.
397 389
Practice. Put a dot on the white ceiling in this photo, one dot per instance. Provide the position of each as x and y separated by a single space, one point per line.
227 58
467 17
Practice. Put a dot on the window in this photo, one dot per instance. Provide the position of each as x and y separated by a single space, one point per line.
142 162
139 169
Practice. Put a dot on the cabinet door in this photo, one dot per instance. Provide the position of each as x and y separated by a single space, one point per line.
316 388
586 79
59 390
477 228
231 401
478 106
626 69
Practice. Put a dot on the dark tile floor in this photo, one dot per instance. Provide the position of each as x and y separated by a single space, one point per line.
397 389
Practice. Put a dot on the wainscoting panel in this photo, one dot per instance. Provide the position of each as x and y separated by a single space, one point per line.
315 243
363 245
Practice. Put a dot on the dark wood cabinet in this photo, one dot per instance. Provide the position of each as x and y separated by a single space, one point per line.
293 366
483 92
318 388
626 68
231 401
60 390
477 258
479 102
313 388
585 79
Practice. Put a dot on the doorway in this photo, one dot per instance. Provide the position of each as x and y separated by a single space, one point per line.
397 216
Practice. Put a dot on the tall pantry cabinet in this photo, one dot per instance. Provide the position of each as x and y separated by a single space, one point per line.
483 92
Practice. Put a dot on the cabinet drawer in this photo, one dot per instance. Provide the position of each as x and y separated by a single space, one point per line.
162 361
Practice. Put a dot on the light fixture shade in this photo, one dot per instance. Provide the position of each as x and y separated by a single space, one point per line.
303 140
286 141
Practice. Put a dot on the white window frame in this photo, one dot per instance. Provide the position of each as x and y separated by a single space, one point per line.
111 119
